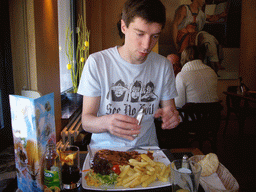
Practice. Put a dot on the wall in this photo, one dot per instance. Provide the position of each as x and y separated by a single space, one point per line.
35 49
102 17
248 44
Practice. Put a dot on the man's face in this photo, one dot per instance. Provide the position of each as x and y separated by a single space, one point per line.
140 39
135 93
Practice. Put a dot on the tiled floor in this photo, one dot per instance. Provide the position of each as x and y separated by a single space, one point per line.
236 152
7 167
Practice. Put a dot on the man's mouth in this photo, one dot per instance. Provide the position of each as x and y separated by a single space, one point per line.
143 53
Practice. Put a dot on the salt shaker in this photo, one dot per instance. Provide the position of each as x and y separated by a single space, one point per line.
185 162
139 116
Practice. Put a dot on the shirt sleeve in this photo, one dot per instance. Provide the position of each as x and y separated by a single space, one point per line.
169 91
89 84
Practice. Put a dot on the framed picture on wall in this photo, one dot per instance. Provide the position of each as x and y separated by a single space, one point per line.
227 29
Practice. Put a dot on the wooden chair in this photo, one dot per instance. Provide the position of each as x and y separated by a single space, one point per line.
240 107
201 122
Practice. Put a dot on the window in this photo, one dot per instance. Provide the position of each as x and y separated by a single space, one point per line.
66 10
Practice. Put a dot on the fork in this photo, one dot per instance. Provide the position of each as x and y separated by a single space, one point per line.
145 149
90 154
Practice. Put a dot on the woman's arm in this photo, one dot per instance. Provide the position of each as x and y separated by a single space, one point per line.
180 14
214 18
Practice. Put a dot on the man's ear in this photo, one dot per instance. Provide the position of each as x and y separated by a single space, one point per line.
123 26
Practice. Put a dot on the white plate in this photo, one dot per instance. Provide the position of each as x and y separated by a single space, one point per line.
158 156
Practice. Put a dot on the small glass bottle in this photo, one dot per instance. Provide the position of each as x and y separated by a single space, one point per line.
139 116
51 169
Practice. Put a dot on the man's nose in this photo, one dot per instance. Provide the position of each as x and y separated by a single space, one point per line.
146 42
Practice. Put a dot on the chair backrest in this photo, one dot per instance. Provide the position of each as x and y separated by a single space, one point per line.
200 117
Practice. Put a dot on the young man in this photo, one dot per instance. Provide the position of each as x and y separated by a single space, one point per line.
110 76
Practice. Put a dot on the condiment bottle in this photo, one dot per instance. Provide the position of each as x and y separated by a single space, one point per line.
51 169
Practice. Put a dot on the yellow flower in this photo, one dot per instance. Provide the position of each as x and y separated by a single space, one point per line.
83 47
86 43
69 66
82 59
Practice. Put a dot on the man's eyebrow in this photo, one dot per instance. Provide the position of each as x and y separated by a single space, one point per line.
136 29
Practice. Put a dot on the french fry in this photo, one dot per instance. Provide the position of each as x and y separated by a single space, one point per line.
126 169
125 181
141 164
131 183
142 172
163 170
151 179
162 178
133 161
138 169
150 168
144 178
135 183
146 158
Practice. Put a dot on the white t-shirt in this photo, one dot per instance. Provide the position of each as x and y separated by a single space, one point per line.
124 88
196 82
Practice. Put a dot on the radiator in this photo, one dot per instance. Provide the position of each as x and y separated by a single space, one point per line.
70 131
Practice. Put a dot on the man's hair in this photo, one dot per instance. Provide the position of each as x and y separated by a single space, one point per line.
149 10
191 53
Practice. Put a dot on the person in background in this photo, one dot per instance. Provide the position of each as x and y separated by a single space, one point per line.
188 23
196 82
175 61
117 82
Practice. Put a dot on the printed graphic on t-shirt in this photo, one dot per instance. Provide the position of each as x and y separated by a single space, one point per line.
118 92
127 95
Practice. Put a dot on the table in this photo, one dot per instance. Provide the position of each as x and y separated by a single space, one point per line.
240 104
170 153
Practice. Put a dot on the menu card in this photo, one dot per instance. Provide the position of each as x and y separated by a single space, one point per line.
33 126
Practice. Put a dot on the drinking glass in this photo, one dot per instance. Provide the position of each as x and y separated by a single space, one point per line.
185 175
70 167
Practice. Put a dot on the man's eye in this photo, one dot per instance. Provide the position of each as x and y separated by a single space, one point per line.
155 36
140 34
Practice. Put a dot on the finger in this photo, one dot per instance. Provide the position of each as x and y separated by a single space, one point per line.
171 125
158 113
171 122
124 122
120 130
127 134
126 118
126 126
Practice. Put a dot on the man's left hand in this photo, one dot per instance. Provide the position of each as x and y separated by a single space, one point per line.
170 117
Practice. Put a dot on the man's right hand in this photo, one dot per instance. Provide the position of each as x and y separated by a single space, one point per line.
121 125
